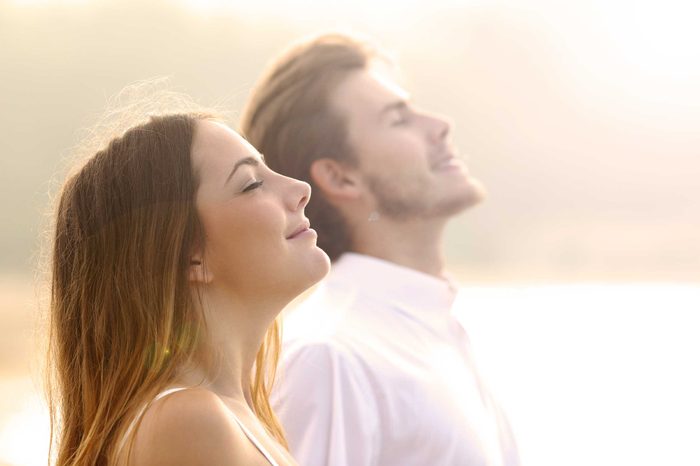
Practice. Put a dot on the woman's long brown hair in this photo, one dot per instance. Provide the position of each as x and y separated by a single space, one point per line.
122 315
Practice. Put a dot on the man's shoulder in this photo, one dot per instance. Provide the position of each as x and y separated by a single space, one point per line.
319 369
321 336
323 343
322 316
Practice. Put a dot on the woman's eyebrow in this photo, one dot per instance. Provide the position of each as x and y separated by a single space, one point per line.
245 161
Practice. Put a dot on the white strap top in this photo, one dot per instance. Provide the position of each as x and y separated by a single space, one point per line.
245 430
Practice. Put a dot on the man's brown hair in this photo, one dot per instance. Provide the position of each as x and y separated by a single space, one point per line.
289 119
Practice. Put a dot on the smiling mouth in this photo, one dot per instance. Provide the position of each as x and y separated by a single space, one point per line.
303 228
447 161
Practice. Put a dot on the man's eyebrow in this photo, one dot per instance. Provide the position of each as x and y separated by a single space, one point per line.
245 161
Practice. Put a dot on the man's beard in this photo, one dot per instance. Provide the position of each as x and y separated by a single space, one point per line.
405 205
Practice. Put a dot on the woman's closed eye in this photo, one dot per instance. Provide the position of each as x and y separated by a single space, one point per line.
253 185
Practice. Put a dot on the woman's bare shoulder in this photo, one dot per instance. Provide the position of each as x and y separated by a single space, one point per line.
191 427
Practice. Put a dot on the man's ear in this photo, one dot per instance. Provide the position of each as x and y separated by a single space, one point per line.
198 272
335 179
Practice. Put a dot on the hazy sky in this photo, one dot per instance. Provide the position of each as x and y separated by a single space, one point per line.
581 117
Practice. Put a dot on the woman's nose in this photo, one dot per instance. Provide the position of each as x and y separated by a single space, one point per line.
300 194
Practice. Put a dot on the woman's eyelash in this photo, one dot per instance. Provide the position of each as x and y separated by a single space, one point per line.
253 186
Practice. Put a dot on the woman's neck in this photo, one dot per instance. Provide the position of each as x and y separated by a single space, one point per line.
235 330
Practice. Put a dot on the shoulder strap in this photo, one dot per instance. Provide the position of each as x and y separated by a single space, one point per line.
172 390
255 441
169 391
129 430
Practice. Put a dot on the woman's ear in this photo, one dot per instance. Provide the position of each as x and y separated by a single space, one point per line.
198 272
335 180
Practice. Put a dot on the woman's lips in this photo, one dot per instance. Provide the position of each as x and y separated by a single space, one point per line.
304 233
301 229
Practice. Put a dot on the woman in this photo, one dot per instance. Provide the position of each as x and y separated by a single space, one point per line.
175 249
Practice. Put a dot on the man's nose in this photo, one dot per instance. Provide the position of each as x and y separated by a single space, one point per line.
439 127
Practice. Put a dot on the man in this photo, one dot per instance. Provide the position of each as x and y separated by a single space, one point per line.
375 368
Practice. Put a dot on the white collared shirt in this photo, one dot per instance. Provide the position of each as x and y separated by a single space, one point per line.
375 370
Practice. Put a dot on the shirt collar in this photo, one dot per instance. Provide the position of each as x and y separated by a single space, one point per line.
409 289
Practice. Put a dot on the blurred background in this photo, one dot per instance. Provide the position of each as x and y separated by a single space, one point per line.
581 272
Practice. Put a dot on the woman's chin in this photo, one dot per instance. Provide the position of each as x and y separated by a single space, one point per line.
313 271
318 268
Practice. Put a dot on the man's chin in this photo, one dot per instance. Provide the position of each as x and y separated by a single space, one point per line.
478 191
472 192
468 196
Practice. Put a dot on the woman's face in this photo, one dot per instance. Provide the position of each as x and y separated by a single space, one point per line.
257 241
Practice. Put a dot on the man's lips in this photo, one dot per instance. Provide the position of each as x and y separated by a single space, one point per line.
444 161
300 229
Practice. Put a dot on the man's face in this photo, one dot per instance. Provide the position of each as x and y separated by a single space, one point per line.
405 156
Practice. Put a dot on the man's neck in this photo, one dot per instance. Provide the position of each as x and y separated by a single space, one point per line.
413 244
